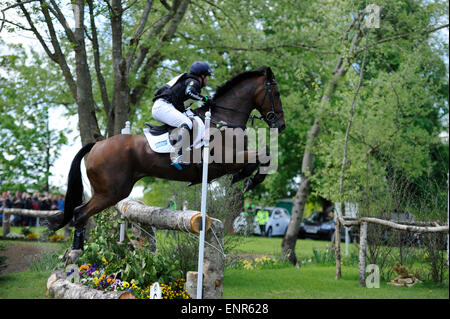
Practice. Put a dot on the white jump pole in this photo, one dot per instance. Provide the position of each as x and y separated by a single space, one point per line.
201 245
123 225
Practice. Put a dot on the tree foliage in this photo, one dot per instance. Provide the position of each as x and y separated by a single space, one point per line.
107 68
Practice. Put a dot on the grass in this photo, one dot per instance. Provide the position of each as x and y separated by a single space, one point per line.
272 246
311 281
317 282
37 230
24 285
30 284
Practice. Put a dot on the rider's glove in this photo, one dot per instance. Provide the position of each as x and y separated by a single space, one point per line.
208 101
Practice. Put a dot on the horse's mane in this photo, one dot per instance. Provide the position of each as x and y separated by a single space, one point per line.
221 90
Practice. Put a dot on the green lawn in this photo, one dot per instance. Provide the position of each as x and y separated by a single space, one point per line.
311 280
316 281
30 284
280 281
24 285
37 230
272 246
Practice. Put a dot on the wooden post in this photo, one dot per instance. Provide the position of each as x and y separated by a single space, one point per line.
6 224
337 247
362 253
213 265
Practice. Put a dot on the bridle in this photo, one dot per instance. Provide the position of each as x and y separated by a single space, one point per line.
270 116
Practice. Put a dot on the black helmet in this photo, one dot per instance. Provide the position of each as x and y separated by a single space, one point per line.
200 68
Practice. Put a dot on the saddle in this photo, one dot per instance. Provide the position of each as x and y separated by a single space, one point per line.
158 136
159 129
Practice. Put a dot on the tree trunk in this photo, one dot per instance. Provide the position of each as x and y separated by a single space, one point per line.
290 238
362 254
121 94
89 130
337 248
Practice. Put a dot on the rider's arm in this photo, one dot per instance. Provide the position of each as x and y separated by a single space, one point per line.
193 89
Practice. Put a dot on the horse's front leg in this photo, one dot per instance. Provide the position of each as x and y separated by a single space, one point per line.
254 160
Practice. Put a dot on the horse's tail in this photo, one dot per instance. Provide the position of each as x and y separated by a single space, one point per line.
74 194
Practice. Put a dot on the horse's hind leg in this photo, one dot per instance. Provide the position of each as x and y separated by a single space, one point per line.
82 213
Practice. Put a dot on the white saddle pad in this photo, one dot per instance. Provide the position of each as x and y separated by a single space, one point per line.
161 143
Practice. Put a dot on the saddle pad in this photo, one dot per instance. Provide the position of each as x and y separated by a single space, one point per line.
161 143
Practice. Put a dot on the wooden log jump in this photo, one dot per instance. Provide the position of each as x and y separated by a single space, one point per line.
187 221
416 227
162 218
7 212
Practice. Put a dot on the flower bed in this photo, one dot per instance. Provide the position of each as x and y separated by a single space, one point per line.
96 278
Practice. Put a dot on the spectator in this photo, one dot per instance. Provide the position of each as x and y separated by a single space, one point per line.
172 202
35 201
16 220
250 213
262 217
61 202
45 202
2 205
8 199
54 203
27 220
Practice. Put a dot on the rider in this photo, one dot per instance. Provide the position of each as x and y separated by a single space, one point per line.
176 96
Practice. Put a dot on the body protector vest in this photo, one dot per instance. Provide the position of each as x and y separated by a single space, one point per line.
182 91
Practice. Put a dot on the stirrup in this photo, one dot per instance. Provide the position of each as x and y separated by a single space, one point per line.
176 164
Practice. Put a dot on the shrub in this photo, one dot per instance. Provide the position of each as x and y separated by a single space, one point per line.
119 260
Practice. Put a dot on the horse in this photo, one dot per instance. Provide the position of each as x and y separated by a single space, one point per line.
115 164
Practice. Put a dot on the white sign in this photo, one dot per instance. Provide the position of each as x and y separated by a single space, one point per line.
155 291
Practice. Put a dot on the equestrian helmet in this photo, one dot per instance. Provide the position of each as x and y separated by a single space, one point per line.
200 68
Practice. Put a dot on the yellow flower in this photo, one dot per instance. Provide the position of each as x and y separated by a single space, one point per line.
125 284
104 260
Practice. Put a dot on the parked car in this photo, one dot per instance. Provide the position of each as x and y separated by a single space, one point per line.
275 226
321 225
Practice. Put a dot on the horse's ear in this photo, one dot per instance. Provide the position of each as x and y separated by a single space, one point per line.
269 74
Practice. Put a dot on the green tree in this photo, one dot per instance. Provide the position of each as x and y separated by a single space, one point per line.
29 146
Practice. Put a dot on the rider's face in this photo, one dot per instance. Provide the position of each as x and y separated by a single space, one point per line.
205 80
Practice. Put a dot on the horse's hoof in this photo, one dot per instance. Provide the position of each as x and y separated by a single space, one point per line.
73 256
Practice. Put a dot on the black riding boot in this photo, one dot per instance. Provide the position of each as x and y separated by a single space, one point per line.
182 132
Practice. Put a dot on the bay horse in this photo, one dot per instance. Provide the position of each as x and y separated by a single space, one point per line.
115 164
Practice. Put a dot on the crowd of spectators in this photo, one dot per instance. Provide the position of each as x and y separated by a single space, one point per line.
37 201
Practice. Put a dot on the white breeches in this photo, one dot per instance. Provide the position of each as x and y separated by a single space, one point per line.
165 112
